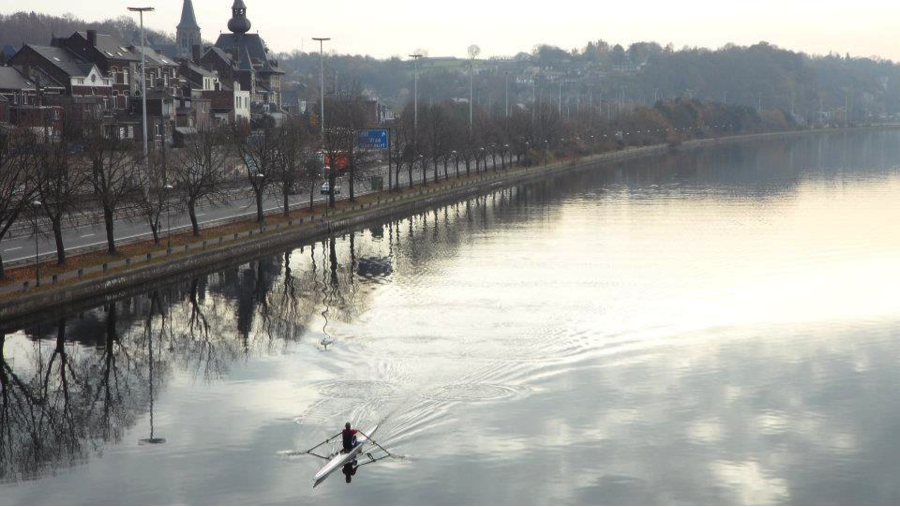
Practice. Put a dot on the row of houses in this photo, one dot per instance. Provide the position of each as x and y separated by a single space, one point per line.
90 75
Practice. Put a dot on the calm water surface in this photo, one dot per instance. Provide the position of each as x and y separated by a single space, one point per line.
721 326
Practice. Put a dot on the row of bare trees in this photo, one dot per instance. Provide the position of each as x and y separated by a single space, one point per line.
84 170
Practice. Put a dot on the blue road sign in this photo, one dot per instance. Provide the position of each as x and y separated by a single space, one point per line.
373 139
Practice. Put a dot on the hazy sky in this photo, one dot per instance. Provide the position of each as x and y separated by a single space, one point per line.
446 28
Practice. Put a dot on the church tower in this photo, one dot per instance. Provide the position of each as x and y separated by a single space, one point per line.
187 34
239 24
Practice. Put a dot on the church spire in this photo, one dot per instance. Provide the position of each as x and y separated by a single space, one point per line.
187 33
188 19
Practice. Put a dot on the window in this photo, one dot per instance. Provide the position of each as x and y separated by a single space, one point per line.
55 114
125 76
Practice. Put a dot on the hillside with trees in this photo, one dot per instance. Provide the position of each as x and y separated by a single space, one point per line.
35 28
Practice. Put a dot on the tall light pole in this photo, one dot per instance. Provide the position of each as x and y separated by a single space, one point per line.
415 58
37 252
141 11
507 94
474 51
533 104
471 90
322 41
168 188
560 97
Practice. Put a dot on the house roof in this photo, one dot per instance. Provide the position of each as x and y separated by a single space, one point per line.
12 79
198 69
221 54
170 50
113 48
64 59
246 63
153 57
251 41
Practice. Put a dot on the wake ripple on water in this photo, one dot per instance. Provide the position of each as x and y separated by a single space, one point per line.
468 392
357 389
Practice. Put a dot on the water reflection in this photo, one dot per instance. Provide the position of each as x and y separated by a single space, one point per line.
660 332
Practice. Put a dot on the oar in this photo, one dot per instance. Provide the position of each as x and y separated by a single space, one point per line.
376 443
322 443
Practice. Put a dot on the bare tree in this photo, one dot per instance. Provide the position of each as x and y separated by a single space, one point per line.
154 197
400 140
339 138
200 170
17 177
258 150
61 178
354 120
112 172
294 153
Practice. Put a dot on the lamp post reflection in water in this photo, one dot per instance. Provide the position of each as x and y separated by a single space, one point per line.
152 440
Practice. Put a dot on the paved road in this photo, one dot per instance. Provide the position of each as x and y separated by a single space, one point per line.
94 235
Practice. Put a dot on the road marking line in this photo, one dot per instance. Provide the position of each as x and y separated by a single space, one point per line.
89 235
13 249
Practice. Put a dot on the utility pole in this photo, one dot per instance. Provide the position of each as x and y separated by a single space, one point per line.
322 41
141 11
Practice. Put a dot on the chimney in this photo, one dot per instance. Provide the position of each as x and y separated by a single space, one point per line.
92 38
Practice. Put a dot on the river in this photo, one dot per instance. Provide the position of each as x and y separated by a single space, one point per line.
713 326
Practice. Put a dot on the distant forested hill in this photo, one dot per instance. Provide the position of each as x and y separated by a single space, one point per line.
34 28
764 75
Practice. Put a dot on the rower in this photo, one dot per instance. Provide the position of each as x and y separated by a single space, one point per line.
349 438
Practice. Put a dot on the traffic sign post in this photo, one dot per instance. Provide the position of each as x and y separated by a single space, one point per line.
373 139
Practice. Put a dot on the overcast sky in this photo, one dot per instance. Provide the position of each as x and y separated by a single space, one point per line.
446 28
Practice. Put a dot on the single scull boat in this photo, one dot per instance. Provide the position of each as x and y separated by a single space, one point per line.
342 458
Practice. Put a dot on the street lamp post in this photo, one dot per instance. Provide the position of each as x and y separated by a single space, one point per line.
415 58
533 104
37 252
261 180
507 93
141 11
168 188
322 41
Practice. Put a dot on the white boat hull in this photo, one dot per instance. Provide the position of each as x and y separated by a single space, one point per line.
340 459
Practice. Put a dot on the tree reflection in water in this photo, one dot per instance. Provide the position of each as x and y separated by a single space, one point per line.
82 382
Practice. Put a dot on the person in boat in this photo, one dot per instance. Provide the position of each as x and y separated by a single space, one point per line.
349 437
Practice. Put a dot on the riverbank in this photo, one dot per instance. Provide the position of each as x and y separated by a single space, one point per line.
131 275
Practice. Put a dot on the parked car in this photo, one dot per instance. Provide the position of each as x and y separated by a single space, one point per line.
326 189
